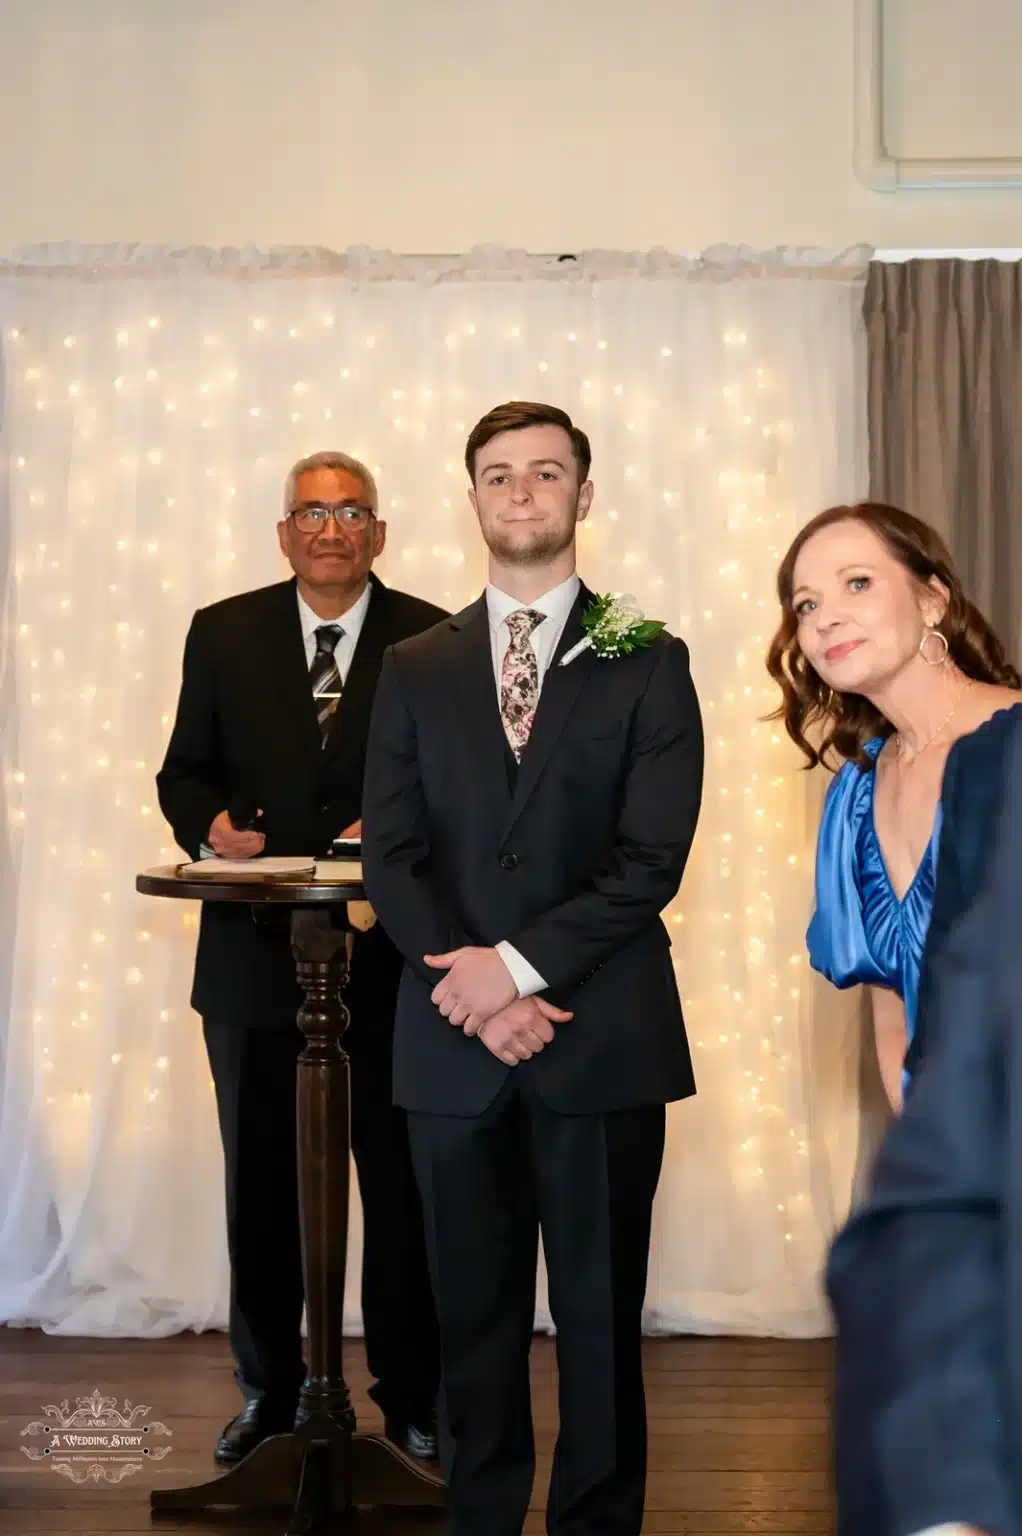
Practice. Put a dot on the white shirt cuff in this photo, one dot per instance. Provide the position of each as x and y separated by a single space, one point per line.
206 852
955 1529
525 976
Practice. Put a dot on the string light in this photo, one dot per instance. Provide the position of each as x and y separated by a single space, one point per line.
683 484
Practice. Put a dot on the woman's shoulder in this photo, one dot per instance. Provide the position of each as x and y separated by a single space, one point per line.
845 808
853 782
838 946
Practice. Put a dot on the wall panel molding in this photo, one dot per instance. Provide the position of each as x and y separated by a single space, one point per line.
875 166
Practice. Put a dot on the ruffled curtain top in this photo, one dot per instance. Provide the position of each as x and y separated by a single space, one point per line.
492 263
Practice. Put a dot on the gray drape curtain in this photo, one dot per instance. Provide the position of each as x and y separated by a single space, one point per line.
945 416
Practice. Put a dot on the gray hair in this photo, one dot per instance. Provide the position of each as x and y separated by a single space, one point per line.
328 459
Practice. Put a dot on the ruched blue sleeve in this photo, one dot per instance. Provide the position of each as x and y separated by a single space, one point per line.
836 939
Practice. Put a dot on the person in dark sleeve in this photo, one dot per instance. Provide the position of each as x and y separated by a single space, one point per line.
267 754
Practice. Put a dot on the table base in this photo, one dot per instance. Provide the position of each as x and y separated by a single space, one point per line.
320 1477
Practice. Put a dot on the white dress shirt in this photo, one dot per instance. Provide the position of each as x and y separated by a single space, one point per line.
351 622
946 1530
556 606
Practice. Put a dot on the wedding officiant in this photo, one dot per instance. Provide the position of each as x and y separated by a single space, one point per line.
267 754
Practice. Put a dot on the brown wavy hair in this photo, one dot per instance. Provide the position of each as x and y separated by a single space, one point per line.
845 722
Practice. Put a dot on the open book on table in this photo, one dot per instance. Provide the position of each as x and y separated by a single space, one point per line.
279 868
326 871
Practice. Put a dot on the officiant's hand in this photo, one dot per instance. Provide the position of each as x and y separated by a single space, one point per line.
478 984
522 1029
227 841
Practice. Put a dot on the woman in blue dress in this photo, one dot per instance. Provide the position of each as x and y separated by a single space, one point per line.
883 664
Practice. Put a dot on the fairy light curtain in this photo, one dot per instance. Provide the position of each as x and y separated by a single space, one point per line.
153 401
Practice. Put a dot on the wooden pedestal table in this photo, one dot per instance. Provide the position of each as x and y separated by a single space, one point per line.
323 1469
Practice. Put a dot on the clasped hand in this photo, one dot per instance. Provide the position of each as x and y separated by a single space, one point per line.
478 984
479 996
522 1029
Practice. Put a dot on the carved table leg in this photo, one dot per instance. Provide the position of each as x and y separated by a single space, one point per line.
324 1141
323 1469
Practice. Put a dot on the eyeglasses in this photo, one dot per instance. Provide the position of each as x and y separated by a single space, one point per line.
313 516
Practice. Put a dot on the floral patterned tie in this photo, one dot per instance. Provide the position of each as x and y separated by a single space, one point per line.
519 680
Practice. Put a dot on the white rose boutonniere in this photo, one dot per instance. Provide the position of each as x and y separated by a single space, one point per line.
614 625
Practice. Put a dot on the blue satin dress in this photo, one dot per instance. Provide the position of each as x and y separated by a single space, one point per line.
860 931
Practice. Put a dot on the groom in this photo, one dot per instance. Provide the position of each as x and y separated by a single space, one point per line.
526 818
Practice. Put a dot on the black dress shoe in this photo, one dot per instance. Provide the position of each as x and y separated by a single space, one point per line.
256 1422
417 1440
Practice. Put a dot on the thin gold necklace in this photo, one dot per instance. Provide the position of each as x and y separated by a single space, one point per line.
899 745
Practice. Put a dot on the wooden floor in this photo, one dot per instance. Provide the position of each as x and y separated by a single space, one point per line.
739 1432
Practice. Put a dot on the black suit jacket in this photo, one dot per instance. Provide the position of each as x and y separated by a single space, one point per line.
970 800
926 1279
572 859
246 730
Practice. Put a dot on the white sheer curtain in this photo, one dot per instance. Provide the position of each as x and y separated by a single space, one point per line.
152 403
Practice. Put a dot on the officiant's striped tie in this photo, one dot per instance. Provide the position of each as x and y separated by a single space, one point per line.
325 678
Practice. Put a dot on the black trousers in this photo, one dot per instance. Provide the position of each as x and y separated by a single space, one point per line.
488 1185
255 1076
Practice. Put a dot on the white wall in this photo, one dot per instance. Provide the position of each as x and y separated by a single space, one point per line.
433 125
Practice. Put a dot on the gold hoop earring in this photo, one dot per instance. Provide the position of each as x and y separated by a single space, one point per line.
932 633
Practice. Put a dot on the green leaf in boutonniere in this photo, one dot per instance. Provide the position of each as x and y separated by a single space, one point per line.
615 625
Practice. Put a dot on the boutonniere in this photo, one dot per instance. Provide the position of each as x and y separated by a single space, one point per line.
614 626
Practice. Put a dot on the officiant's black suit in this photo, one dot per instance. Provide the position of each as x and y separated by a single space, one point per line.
246 731
571 857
